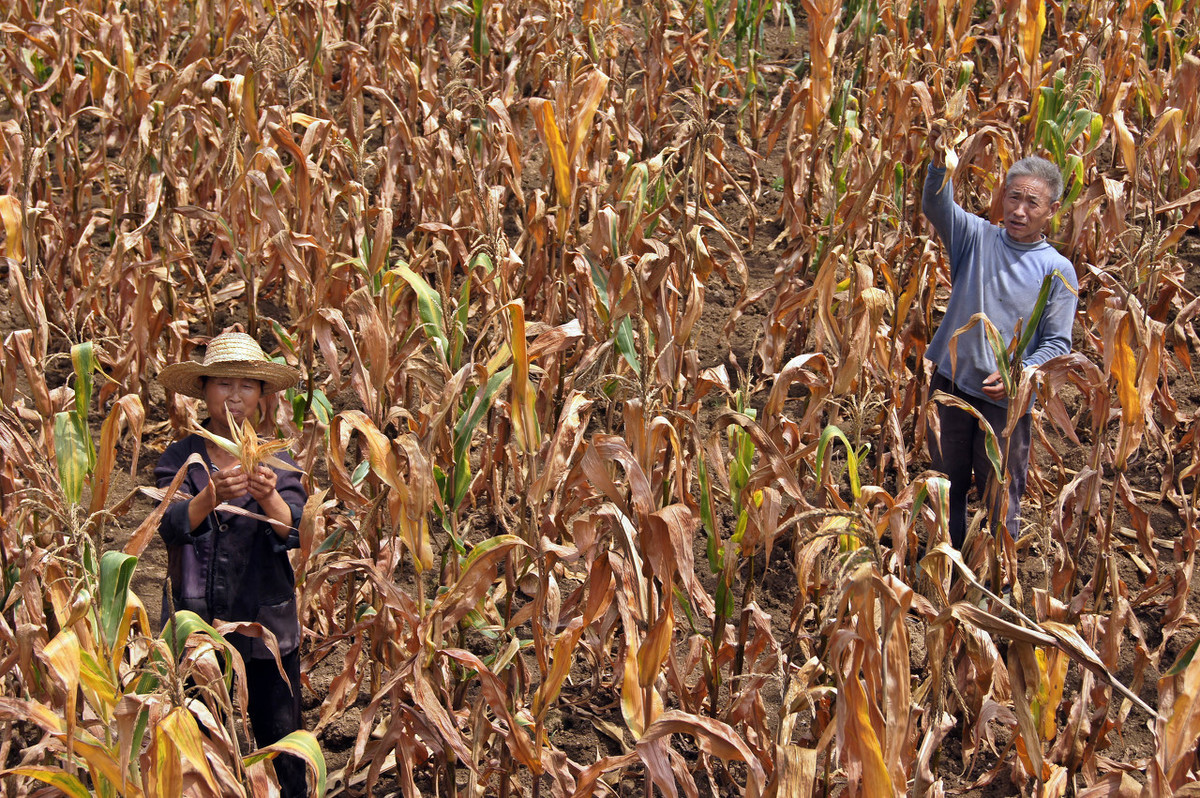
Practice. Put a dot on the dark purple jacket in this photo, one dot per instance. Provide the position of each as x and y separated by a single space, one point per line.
230 567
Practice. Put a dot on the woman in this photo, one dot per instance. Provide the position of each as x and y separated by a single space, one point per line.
227 566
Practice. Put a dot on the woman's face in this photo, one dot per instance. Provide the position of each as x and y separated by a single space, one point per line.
231 400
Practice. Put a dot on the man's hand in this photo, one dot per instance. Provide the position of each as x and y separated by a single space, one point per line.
993 386
936 143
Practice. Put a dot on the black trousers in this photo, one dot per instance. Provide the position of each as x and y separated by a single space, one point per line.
961 455
274 713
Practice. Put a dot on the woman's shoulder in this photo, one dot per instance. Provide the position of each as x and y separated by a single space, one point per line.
182 448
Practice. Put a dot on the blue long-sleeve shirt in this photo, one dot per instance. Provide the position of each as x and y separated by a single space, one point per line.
993 274
231 567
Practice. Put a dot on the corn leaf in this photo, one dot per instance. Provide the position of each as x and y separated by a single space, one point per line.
180 727
304 745
551 134
116 572
71 451
14 227
65 782
524 419
1125 370
429 308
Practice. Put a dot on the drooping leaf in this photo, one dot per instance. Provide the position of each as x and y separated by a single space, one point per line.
68 784
116 572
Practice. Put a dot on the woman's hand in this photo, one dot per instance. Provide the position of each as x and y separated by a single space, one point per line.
230 483
261 483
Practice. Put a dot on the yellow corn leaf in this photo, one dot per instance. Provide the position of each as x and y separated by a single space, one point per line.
248 448
167 776
127 409
823 16
302 119
585 112
1031 24
71 453
98 758
862 743
62 654
180 727
379 449
560 666
99 686
14 227
1054 680
547 127
98 75
1170 115
633 697
1180 723
657 645
1026 680
1124 141
411 503
1124 369
524 412
65 782
244 95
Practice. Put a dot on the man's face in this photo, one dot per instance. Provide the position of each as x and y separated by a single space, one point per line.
1027 208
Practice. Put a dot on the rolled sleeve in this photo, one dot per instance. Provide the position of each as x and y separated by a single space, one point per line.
291 490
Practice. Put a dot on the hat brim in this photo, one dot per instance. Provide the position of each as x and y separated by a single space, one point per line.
188 378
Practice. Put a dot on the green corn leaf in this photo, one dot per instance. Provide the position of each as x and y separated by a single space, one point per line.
937 491
1035 318
83 358
625 345
1073 176
182 625
71 450
1095 131
828 434
600 283
467 423
706 517
480 45
460 325
304 745
320 406
462 481
429 307
116 571
1184 660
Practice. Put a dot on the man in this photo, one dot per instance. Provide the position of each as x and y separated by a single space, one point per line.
996 270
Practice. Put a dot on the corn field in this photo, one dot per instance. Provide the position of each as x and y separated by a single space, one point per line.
611 319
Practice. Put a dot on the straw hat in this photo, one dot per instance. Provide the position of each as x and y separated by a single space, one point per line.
230 354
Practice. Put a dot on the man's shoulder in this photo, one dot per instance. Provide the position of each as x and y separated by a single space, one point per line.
1057 262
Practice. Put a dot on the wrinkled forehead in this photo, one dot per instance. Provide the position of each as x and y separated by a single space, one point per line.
1027 186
